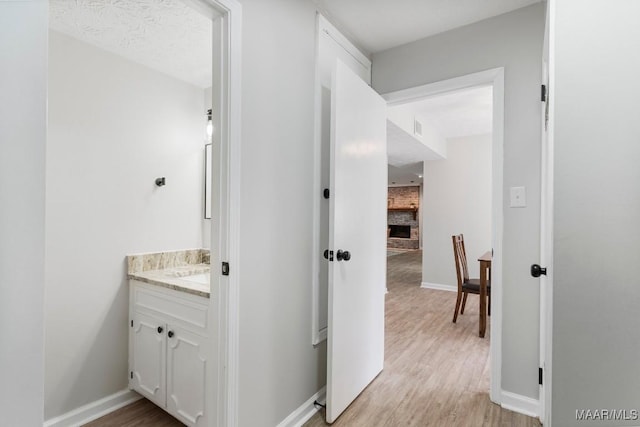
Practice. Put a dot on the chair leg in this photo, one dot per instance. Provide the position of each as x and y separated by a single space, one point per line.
455 314
464 302
489 308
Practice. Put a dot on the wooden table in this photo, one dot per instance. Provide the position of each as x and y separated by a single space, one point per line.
485 276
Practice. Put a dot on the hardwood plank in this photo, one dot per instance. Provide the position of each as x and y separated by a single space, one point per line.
142 413
436 372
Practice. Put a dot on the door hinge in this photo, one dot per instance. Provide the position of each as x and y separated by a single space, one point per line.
132 323
540 376
225 268
131 374
543 93
326 193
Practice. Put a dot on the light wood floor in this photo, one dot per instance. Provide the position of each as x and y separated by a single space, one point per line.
142 413
436 373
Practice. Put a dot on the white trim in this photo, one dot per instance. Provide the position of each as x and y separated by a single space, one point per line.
316 336
439 287
323 26
453 85
336 35
521 404
304 412
94 410
222 378
495 78
495 345
546 221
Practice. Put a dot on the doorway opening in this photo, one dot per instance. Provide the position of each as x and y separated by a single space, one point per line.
440 169
419 321
136 115
494 79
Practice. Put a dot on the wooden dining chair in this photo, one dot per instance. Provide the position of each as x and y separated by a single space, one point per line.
465 285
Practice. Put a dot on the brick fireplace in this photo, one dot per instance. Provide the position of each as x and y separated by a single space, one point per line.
403 227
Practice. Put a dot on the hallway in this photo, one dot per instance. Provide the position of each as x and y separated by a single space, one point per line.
436 373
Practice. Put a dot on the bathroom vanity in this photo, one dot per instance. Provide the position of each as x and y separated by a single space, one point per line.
169 332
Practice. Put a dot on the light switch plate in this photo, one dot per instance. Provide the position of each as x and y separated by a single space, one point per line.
518 197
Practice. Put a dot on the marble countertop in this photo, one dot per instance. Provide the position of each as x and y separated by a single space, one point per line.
182 271
193 279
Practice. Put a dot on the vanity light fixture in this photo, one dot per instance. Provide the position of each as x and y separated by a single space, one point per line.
209 125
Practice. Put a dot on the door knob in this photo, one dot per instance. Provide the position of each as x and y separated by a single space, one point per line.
343 255
536 270
170 334
160 329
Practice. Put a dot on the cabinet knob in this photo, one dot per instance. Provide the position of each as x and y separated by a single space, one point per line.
160 329
170 334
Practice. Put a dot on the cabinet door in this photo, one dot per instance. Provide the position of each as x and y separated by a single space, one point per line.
148 357
186 375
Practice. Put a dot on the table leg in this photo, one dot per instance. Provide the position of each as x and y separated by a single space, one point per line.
483 297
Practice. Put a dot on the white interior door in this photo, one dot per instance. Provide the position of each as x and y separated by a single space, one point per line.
357 237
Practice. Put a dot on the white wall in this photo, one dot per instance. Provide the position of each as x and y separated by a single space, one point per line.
513 41
404 117
457 199
23 85
597 210
279 368
114 127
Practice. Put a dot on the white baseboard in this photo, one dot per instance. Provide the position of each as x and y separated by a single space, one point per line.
307 410
521 404
439 287
94 410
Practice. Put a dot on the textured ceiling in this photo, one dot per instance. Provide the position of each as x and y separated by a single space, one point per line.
382 24
166 35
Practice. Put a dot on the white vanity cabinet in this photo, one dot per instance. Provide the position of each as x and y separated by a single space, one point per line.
148 355
168 350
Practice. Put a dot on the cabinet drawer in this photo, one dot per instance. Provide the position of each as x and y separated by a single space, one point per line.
179 306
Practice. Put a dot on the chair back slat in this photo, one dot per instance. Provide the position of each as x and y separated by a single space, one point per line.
460 256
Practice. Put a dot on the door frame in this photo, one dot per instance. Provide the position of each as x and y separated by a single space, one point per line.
546 218
495 78
324 28
222 375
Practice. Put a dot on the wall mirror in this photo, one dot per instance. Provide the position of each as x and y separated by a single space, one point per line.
207 181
